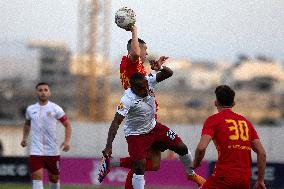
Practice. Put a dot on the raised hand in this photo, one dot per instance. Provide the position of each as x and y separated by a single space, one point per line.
107 152
156 65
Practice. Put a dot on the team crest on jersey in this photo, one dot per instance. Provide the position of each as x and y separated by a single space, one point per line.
120 106
50 114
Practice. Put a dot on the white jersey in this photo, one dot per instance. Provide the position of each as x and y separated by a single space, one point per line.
139 112
43 128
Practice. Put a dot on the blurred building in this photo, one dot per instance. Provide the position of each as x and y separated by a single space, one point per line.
79 65
54 60
195 75
54 68
13 99
186 98
206 75
258 75
83 67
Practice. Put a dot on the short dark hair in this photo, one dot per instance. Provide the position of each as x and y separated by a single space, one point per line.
135 78
140 41
225 95
41 83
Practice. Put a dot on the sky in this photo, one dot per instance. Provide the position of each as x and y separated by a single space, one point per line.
196 29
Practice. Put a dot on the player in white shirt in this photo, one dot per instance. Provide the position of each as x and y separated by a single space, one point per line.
141 128
132 63
41 122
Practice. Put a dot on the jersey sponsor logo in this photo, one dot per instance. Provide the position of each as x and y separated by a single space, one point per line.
171 134
137 102
240 147
34 112
120 106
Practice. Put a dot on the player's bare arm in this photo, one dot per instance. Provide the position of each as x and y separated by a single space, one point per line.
156 65
164 73
135 48
26 131
200 150
68 131
112 133
258 148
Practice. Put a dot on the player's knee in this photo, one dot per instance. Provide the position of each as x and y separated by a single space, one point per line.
156 165
153 162
139 167
182 149
37 175
53 178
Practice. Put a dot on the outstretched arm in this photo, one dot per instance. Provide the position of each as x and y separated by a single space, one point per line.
200 150
112 133
261 163
134 48
164 73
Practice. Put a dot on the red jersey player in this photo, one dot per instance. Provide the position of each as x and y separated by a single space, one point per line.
131 64
234 137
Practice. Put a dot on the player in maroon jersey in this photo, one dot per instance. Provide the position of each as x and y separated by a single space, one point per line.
234 137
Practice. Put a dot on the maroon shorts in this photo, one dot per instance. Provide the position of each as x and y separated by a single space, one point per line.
214 182
51 163
139 145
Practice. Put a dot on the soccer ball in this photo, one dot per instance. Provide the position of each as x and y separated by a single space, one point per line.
125 18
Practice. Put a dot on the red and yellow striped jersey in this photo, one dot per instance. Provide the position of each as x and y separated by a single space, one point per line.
128 68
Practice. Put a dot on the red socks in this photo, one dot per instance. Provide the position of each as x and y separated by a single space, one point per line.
128 163
128 181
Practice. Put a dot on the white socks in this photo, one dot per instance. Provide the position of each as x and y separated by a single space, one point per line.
138 181
37 184
186 160
54 185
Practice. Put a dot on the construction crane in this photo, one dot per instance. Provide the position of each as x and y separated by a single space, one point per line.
93 42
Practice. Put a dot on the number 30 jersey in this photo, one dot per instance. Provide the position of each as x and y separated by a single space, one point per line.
232 135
